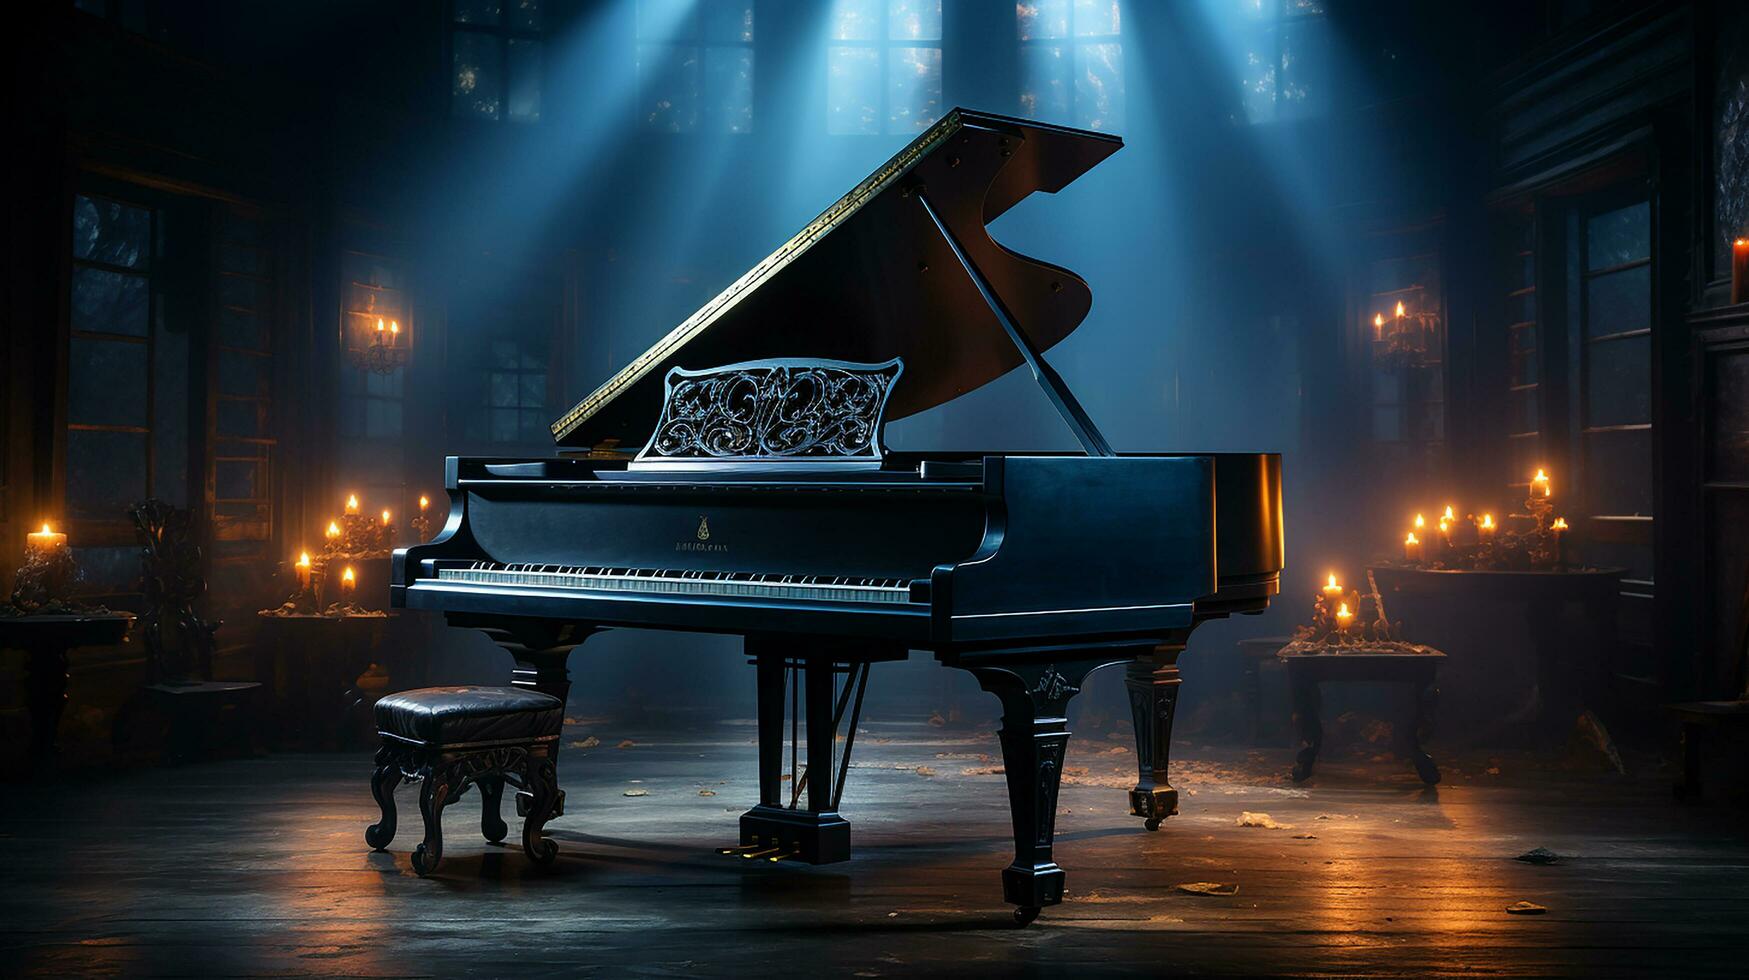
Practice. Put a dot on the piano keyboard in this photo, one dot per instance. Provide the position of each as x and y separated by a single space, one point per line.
768 585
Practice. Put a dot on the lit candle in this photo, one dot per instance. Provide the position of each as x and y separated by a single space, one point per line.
394 331
385 518
1420 522
1332 591
1486 527
1740 271
1400 312
1412 548
348 583
379 330
1539 484
1560 529
1449 516
351 503
302 568
1378 326
1343 617
424 502
333 530
45 541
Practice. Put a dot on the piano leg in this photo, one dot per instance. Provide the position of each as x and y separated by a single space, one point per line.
779 827
1035 737
1153 681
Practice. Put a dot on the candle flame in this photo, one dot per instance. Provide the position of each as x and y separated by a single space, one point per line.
385 517
394 327
334 529
1487 521
1332 584
1741 242
1399 307
1342 612
45 528
1378 319
1411 539
1420 522
1560 524
379 324
347 576
304 559
352 501
424 501
1449 516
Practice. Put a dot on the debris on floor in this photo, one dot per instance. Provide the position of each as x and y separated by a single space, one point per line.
1305 837
1263 820
1526 908
585 743
625 744
1538 855
1209 888
707 792
636 792
925 771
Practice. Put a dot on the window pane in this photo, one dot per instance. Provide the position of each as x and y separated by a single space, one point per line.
914 20
669 74
110 232
856 20
1257 78
503 390
106 382
1618 382
1304 76
170 425
107 571
534 391
1619 236
1042 19
853 94
1522 411
484 12
666 20
913 89
1521 308
727 21
242 374
239 480
728 84
1099 86
1619 301
526 15
110 302
504 425
1618 472
1047 75
525 80
1097 17
476 88
382 419
106 473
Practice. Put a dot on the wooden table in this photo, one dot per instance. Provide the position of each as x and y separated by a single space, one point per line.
45 641
1308 667
1563 674
311 666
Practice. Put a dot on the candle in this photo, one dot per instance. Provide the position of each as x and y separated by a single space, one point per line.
1450 516
1560 529
1539 484
1740 271
302 568
1343 617
424 502
348 583
45 541
379 330
351 504
394 331
333 530
1378 326
385 517
1420 522
1412 548
1486 527
1332 591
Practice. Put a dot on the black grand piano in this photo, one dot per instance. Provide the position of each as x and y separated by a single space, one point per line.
763 502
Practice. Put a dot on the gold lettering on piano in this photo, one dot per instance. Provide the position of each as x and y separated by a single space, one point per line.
702 538
704 528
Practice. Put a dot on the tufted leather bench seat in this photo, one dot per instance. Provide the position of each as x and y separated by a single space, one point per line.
451 738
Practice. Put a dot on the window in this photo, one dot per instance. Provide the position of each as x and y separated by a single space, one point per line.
1408 396
240 474
1284 71
1610 272
695 65
515 408
883 67
125 373
1516 252
495 59
1071 62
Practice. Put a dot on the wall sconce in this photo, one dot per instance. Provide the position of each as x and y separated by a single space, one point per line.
1401 340
388 347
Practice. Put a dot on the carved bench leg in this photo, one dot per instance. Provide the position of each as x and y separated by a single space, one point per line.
1153 687
382 787
433 795
542 780
492 825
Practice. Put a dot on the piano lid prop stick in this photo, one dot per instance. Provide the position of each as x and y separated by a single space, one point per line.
1061 398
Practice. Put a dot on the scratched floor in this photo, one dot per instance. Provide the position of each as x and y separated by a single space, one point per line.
258 867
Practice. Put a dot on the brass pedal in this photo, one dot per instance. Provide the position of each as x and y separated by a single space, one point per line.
739 848
795 853
765 853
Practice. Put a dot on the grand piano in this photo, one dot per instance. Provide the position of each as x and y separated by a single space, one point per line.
764 502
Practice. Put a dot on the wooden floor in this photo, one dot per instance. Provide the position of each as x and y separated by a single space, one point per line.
258 866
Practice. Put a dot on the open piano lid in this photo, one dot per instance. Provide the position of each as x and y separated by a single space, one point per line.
872 278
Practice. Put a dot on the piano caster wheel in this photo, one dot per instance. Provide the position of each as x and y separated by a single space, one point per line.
1024 915
1153 823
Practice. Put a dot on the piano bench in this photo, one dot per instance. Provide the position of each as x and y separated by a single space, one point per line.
451 738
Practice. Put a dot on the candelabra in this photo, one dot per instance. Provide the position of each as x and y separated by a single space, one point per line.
1402 340
384 353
